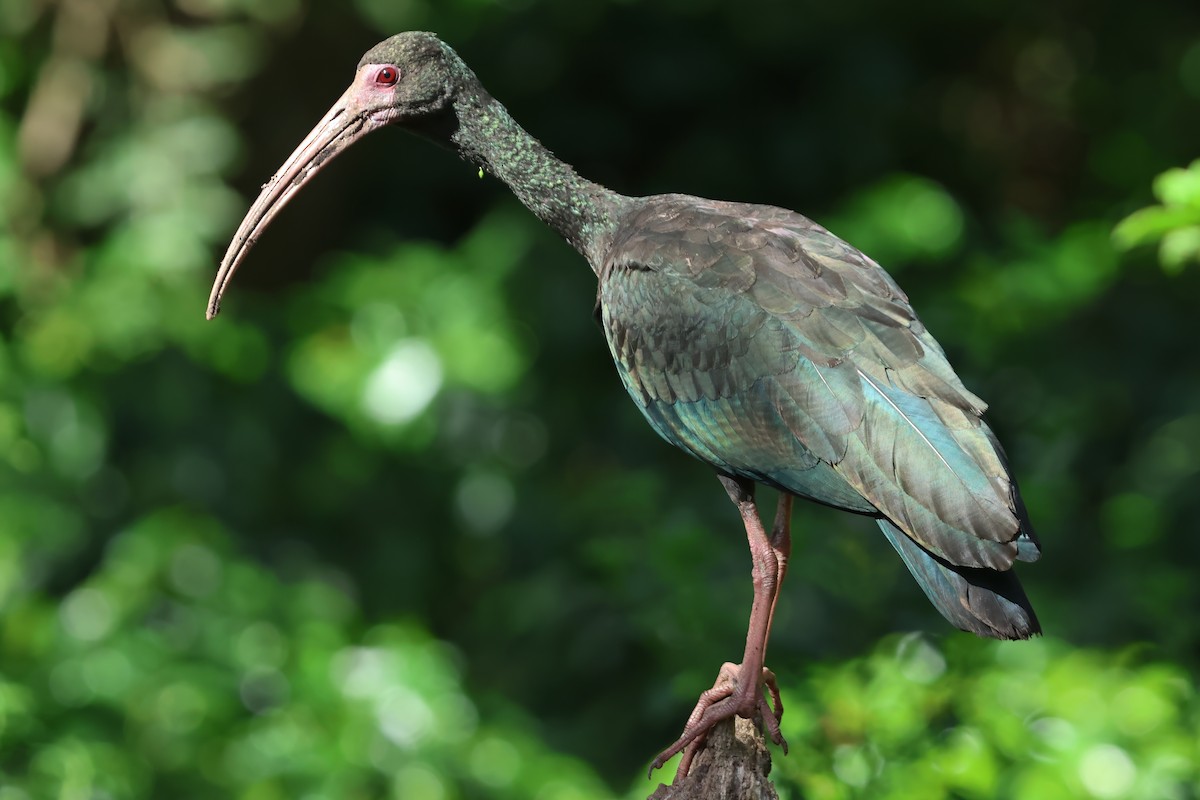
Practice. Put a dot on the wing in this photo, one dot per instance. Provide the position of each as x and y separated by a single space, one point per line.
764 345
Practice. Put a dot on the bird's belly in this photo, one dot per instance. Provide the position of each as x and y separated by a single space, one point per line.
737 436
703 366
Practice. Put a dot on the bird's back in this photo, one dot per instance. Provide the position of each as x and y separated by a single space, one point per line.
761 343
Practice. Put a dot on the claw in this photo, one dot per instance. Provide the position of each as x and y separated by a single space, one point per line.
727 698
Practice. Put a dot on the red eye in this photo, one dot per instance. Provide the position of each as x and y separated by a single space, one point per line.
387 76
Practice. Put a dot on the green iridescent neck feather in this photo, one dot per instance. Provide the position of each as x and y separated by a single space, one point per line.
584 213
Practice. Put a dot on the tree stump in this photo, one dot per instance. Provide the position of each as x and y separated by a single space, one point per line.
733 766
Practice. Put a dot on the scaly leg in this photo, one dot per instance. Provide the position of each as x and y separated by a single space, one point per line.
781 543
741 689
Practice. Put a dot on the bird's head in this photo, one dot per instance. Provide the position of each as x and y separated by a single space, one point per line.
405 79
409 80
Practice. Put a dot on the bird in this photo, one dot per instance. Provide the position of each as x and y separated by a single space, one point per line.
751 338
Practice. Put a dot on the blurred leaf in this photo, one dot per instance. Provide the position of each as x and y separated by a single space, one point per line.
1180 246
411 324
195 655
1179 187
1175 223
1151 224
1002 719
901 219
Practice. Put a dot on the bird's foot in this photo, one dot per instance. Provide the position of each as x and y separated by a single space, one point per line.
733 694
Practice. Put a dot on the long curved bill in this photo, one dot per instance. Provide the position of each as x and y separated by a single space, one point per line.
342 125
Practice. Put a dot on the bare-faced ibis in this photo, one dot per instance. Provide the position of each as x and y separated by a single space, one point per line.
750 337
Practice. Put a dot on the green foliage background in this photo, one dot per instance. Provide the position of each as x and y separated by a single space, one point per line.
390 527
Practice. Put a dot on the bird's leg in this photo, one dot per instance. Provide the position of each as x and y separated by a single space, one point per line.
781 544
740 689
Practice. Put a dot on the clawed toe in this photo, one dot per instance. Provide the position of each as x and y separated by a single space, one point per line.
728 697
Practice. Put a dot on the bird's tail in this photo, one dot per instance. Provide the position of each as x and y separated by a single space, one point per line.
983 601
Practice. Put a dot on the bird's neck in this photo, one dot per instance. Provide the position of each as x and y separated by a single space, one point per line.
584 213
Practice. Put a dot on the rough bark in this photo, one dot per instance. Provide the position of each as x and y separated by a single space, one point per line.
733 766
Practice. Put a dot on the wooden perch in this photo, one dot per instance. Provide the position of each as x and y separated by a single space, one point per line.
733 766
